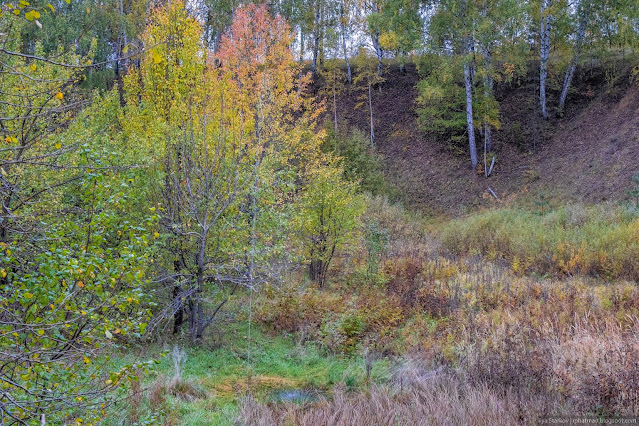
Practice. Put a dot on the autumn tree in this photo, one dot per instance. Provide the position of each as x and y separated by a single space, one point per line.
373 10
545 22
234 147
400 27
498 36
330 208
256 56
581 16
441 99
178 108
453 31
346 19
467 35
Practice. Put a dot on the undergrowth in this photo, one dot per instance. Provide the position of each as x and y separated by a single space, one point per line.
215 376
538 336
505 321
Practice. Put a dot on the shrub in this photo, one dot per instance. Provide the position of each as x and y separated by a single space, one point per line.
633 193
330 211
376 240
298 310
361 164
342 333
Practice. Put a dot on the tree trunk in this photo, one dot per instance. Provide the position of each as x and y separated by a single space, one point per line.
322 30
192 317
581 32
120 66
544 43
299 86
199 318
469 115
378 48
313 268
200 321
316 35
378 51
488 141
370 109
344 50
335 109
488 93
178 316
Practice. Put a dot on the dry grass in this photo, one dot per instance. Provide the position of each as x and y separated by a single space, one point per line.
509 348
419 398
185 389
597 368
598 241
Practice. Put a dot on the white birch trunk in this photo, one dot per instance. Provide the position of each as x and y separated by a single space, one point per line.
544 43
469 115
370 110
317 35
581 32
378 48
344 49
488 93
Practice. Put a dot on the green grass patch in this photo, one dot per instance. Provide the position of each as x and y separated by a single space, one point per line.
226 373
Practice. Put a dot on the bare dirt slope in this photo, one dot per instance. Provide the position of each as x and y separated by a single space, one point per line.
589 155
593 156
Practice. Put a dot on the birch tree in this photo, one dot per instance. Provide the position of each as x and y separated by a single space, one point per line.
373 9
346 10
582 17
367 77
545 22
453 28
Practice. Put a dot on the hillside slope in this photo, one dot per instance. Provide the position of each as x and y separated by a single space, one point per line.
588 156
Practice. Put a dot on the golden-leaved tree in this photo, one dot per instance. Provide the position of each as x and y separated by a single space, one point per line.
256 55
232 146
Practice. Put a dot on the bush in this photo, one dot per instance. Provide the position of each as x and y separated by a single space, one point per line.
633 193
342 333
298 311
361 163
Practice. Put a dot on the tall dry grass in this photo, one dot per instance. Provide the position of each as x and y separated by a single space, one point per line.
420 397
505 378
510 348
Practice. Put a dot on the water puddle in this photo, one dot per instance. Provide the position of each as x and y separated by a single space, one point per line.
298 396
